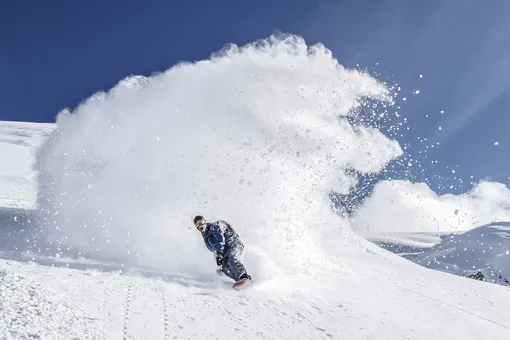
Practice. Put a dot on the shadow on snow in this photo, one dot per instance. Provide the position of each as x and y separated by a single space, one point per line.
23 241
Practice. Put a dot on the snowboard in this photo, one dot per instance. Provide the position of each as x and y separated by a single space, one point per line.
241 284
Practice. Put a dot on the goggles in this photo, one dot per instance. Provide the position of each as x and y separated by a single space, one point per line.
199 224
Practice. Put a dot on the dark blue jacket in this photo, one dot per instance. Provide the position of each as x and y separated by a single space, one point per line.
220 236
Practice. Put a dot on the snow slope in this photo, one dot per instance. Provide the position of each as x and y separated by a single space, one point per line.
18 141
256 135
407 244
352 301
485 249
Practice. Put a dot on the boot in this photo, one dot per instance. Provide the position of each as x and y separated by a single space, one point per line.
243 281
245 276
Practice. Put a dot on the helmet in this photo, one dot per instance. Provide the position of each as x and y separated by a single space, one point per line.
198 218
199 221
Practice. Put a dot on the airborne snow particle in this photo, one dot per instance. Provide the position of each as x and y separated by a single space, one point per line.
440 128
404 99
417 92
442 111
496 143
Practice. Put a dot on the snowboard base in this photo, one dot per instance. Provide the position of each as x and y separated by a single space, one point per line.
241 284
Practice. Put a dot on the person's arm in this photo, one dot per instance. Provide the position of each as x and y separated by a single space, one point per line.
220 239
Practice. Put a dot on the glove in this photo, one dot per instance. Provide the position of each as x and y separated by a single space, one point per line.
219 259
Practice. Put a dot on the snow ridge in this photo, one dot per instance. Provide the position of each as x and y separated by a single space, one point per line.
484 249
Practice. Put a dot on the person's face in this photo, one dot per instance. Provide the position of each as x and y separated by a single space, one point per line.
200 225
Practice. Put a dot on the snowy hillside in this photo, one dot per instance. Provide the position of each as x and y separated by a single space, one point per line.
485 249
481 252
255 136
17 148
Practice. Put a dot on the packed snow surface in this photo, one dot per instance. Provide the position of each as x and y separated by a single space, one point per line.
257 135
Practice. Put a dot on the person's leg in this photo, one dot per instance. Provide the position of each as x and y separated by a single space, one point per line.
235 266
225 268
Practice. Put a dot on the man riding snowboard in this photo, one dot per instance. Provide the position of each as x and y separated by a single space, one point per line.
221 239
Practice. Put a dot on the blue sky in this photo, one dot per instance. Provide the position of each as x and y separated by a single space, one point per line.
55 54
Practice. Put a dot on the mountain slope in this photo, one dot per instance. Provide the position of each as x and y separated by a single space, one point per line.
18 142
350 302
373 294
485 249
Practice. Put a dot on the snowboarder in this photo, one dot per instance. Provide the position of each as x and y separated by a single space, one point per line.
221 239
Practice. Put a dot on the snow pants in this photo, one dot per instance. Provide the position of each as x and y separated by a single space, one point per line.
232 266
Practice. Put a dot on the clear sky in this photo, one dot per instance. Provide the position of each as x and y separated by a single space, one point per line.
55 54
